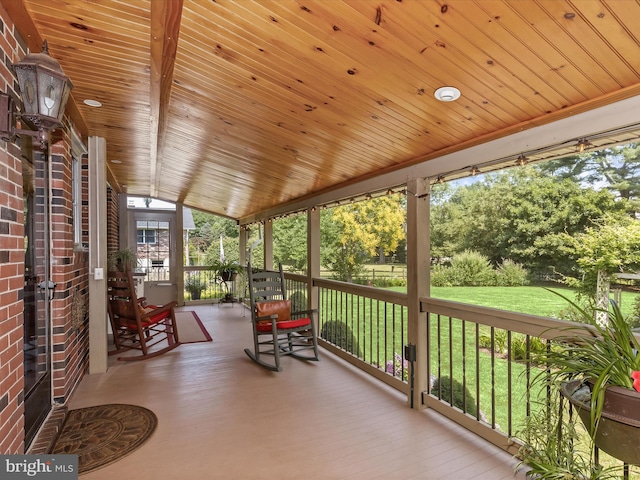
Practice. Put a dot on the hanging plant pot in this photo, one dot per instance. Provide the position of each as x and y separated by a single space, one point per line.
619 429
228 275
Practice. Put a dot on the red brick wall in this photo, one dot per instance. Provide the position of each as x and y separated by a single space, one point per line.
113 224
11 291
11 270
69 269
70 272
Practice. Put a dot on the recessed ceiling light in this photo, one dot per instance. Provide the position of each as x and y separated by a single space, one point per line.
116 161
92 103
447 94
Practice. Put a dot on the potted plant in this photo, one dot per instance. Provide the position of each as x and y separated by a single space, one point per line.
226 270
599 373
552 446
122 260
195 286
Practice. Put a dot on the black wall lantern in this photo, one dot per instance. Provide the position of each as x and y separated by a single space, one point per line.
45 90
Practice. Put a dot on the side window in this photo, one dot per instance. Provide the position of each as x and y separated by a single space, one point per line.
77 201
146 236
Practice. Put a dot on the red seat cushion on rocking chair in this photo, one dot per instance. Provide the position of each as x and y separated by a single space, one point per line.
155 318
299 322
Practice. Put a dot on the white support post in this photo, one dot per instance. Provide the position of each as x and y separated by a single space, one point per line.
179 253
98 317
418 264
313 257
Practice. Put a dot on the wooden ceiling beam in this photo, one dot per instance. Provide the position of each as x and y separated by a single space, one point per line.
165 28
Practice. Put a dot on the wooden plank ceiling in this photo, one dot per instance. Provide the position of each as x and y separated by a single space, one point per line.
235 107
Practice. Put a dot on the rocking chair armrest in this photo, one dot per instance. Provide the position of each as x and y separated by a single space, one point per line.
273 316
164 308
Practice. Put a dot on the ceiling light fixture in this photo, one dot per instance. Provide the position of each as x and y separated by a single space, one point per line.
475 171
447 94
44 89
522 161
440 179
92 103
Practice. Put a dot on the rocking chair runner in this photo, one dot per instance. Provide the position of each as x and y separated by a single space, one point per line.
135 325
278 331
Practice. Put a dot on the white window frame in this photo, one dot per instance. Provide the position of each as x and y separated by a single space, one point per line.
78 149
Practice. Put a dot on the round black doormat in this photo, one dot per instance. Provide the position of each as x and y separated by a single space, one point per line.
103 434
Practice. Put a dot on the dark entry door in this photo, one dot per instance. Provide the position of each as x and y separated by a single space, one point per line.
37 319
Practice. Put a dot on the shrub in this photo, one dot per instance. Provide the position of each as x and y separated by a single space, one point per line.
462 397
484 341
381 281
499 341
386 282
341 335
511 274
298 301
441 276
472 269
398 367
537 346
518 344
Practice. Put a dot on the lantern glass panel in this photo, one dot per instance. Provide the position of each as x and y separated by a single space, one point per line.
28 89
50 90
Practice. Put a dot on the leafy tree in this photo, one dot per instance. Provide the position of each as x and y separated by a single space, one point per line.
444 240
204 242
611 245
290 242
616 168
219 225
352 233
231 250
517 214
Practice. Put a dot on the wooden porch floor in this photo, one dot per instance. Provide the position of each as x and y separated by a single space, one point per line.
220 416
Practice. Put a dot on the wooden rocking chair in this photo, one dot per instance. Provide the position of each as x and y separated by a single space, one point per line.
278 331
135 325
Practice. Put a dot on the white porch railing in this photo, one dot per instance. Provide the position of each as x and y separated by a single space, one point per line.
481 351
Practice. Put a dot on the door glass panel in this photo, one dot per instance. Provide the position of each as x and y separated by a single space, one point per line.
37 350
153 248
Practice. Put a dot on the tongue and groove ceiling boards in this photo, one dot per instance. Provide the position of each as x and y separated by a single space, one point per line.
239 107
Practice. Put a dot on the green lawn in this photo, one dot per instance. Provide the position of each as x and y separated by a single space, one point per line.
534 300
